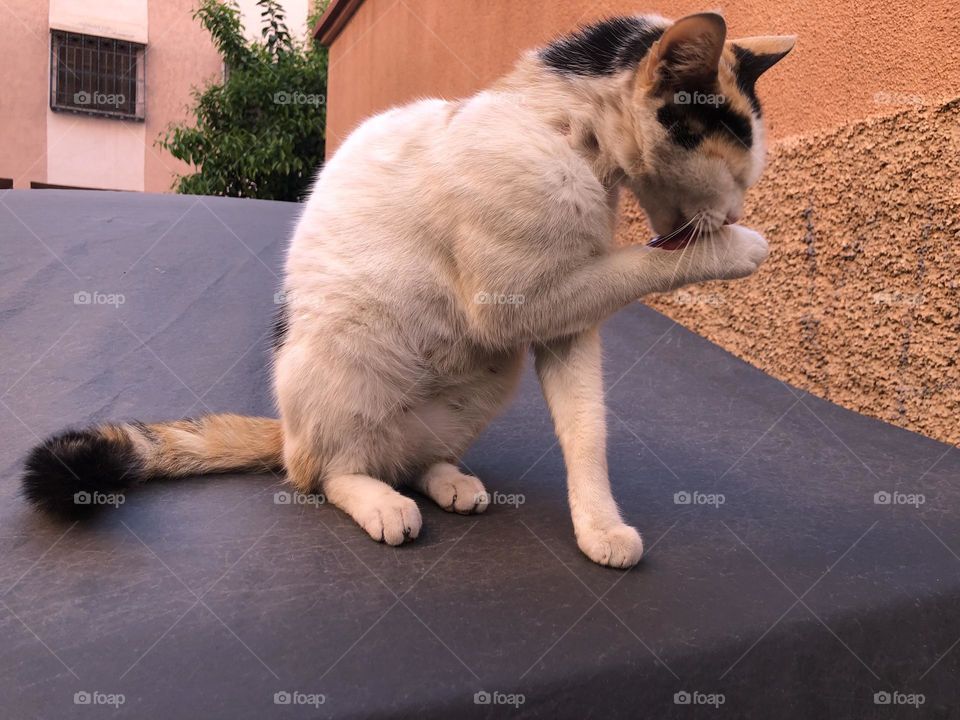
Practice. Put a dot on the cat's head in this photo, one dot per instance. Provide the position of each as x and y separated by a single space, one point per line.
698 122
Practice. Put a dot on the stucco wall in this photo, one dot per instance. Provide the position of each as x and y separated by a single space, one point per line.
859 300
391 52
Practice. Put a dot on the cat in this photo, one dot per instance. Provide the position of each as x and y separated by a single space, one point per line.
442 242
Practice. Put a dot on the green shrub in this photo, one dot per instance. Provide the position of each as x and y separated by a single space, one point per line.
260 132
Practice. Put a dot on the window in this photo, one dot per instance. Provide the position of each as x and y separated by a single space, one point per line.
96 75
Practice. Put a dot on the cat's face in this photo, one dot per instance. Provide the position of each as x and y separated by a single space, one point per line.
698 123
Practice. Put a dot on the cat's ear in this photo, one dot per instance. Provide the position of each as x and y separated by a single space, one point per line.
756 55
688 52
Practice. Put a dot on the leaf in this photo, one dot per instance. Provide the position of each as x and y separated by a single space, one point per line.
260 133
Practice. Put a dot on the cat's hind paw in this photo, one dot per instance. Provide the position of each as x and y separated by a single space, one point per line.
453 490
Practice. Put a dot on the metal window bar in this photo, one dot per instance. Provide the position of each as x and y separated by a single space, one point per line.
96 75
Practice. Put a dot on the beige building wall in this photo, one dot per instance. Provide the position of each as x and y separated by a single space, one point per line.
23 108
179 58
859 300
64 148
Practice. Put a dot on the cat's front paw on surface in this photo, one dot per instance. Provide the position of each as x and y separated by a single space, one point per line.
618 546
741 252
392 519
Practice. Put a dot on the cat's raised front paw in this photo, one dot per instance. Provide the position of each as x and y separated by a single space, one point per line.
618 546
740 252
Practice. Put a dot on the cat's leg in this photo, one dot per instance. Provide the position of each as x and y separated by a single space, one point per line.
734 252
445 425
571 375
601 286
451 489
385 514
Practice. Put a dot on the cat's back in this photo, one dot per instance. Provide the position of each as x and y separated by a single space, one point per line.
415 186
382 159
436 159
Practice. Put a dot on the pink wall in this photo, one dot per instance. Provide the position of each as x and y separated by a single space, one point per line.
39 145
179 57
24 36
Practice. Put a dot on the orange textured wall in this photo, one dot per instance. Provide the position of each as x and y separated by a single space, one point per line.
849 51
859 302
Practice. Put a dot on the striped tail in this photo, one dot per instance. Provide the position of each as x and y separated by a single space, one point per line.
65 474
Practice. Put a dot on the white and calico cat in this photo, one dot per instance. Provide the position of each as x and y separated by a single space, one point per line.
445 239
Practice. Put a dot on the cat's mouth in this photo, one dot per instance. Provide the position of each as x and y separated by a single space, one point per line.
676 240
688 232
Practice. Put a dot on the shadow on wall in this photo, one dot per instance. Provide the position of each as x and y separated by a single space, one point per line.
859 300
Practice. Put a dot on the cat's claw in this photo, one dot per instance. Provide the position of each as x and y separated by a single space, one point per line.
618 546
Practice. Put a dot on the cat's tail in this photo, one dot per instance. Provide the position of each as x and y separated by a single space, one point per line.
72 473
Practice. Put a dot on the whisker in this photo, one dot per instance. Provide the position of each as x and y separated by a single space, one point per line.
683 252
660 239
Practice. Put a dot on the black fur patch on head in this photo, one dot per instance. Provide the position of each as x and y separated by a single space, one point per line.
281 325
62 474
690 122
603 48
751 66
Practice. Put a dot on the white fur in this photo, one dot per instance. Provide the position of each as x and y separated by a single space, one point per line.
440 243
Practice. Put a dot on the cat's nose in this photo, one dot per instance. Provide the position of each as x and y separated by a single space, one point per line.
732 217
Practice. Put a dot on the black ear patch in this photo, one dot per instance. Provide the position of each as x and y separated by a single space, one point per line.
691 115
751 66
603 48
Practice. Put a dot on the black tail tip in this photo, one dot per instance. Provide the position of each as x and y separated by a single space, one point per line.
75 473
